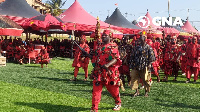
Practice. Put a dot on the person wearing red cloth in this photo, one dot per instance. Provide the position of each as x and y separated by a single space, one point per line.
10 51
176 51
43 57
157 46
171 57
133 41
155 64
125 52
193 54
183 59
19 54
80 60
106 62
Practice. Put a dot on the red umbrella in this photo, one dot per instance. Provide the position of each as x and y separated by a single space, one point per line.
9 27
44 22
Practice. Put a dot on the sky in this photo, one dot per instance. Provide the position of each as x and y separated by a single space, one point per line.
133 9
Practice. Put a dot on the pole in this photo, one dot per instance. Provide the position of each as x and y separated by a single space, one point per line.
72 47
42 38
188 14
46 39
27 34
168 7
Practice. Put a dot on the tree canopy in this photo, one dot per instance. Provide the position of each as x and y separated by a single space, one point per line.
56 6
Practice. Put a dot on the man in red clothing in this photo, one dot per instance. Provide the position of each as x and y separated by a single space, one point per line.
43 57
125 52
106 62
183 59
171 57
193 54
80 60
155 64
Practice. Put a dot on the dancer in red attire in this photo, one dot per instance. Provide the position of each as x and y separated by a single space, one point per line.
155 65
43 57
193 54
106 62
80 60
183 59
171 57
125 52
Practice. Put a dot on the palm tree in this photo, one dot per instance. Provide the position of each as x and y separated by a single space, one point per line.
56 6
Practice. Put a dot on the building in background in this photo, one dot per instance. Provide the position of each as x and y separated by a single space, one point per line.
39 6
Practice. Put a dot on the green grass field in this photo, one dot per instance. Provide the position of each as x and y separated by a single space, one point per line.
29 88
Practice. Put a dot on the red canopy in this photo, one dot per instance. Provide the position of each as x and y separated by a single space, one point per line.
9 27
44 22
189 28
169 31
76 18
151 25
77 14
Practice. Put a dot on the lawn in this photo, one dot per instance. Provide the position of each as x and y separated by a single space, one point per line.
29 88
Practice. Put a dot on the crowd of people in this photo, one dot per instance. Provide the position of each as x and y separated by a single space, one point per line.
17 46
113 60
137 60
18 50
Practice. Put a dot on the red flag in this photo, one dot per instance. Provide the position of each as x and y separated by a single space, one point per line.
116 4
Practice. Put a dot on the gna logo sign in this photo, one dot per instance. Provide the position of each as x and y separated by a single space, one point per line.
144 21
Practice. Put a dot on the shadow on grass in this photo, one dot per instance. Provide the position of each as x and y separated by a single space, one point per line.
172 81
127 94
54 79
47 107
59 58
177 105
76 83
70 73
65 73
88 91
81 83
33 66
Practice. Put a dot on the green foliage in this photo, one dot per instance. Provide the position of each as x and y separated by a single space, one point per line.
33 89
56 6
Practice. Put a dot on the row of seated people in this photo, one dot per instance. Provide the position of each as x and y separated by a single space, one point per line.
19 50
23 54
55 48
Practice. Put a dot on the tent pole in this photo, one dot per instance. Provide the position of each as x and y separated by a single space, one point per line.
29 35
42 38
72 47
46 40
